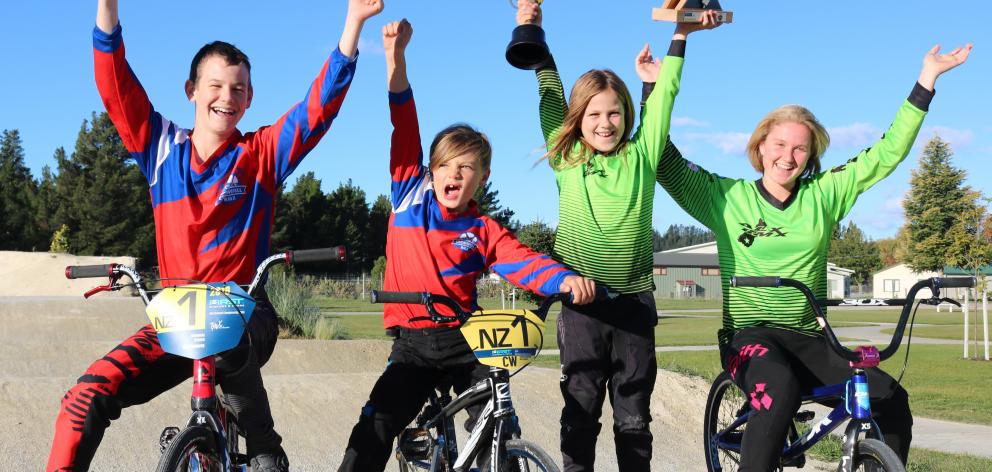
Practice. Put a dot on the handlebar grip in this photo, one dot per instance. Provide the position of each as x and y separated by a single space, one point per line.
84 271
378 296
755 281
336 253
955 282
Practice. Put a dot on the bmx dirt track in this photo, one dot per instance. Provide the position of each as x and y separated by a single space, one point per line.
316 389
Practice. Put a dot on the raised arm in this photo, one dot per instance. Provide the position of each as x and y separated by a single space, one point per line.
106 15
358 12
405 150
846 182
552 107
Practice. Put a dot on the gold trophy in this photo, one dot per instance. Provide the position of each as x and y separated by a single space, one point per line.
690 11
527 49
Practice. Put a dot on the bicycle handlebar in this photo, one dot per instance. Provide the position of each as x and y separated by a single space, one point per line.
933 283
84 271
429 300
336 253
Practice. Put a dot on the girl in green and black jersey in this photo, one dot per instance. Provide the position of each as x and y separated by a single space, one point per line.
781 225
605 176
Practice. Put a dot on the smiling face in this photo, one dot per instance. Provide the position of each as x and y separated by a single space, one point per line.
222 92
456 180
784 154
603 122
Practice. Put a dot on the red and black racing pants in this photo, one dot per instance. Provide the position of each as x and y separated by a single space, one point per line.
137 370
775 367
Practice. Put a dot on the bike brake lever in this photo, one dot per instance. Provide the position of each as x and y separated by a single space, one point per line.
95 290
951 301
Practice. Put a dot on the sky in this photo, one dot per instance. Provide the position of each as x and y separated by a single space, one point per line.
852 66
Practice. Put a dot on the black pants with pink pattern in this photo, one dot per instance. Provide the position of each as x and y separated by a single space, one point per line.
775 367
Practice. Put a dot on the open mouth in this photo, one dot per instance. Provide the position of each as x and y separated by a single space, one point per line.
606 134
222 111
451 191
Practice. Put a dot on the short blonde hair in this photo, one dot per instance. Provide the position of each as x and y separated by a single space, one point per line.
588 86
459 139
820 139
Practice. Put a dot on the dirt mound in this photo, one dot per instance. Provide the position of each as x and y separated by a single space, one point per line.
43 274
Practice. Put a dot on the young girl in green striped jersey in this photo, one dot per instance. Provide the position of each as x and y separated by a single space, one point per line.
781 225
605 176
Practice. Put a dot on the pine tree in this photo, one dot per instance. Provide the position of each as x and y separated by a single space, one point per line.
17 196
102 196
348 223
851 249
538 236
677 236
488 200
971 237
379 226
935 200
302 219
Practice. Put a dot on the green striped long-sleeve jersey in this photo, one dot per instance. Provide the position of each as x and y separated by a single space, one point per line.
757 235
605 205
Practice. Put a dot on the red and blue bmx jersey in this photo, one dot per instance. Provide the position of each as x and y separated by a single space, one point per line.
431 249
213 221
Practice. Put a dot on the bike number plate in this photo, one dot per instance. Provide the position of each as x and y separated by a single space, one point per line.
196 321
506 339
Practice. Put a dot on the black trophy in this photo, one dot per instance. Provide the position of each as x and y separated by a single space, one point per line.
527 49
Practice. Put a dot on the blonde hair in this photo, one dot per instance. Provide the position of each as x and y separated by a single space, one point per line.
819 139
589 85
459 139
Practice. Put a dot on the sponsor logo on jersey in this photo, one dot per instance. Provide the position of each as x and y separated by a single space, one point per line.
759 230
466 241
233 189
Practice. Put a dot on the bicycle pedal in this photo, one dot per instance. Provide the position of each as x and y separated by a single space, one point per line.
168 434
415 444
805 416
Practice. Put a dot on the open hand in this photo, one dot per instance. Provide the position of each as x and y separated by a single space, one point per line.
936 64
647 66
396 35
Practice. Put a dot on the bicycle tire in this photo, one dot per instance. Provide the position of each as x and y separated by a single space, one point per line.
193 449
723 404
525 456
875 456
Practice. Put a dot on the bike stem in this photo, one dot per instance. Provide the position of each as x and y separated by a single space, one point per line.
204 384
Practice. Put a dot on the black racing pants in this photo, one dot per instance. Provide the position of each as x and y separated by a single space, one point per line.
420 360
775 367
608 346
137 370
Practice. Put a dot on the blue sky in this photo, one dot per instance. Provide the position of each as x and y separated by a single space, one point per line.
852 66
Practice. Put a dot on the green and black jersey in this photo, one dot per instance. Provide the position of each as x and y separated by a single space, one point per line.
605 204
757 235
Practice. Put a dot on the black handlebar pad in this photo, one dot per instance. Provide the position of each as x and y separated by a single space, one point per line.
336 253
956 282
397 297
755 281
84 271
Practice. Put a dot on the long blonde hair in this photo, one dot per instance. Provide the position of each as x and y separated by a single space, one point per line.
820 139
589 85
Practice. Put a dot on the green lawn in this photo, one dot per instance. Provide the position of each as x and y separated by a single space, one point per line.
925 315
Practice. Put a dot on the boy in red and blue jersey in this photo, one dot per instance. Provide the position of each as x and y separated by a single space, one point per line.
438 243
213 197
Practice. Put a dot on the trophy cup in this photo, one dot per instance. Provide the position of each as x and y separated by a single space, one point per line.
690 11
527 49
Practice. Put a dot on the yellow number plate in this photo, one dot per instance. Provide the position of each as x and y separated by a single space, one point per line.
507 339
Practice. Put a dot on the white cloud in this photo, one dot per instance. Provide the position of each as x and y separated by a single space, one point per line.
733 143
886 219
957 138
855 135
370 47
689 122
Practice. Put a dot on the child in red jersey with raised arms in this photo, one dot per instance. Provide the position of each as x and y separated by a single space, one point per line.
213 192
439 243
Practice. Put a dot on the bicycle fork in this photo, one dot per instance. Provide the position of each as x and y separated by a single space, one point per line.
504 415
856 398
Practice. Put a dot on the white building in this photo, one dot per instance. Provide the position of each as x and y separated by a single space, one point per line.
895 281
838 281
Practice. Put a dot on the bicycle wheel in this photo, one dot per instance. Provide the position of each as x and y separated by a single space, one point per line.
194 449
525 456
724 404
875 456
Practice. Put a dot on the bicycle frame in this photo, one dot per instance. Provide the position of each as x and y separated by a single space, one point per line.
854 393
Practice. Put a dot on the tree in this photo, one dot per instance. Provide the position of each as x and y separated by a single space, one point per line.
936 198
302 219
102 196
850 249
348 224
488 200
17 195
538 236
971 235
378 227
893 251
677 236
46 204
